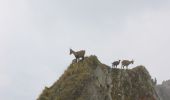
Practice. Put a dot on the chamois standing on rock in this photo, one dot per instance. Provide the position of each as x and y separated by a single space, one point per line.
126 63
78 54
116 63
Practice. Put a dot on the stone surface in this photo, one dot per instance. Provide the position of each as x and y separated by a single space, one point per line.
91 80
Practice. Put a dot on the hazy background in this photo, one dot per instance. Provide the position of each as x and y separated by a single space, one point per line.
35 37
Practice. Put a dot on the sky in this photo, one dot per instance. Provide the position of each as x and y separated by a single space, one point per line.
35 37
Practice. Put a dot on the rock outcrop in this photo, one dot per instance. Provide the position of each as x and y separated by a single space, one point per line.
91 80
163 90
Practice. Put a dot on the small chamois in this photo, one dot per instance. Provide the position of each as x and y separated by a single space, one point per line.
116 63
126 63
78 54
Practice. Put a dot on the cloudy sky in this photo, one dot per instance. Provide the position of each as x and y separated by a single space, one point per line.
35 37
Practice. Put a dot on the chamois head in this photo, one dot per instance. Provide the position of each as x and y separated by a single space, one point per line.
71 51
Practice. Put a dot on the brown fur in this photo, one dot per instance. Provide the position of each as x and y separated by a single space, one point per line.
126 63
78 54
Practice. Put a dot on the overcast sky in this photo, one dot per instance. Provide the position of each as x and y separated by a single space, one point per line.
35 37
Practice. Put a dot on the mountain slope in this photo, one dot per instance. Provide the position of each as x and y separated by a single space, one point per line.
91 80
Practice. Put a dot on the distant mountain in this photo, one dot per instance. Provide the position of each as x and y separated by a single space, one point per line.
91 80
163 90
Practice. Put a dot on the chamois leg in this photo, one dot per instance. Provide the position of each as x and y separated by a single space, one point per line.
77 60
123 66
83 58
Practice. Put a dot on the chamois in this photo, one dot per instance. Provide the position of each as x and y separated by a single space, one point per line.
116 63
78 54
126 63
